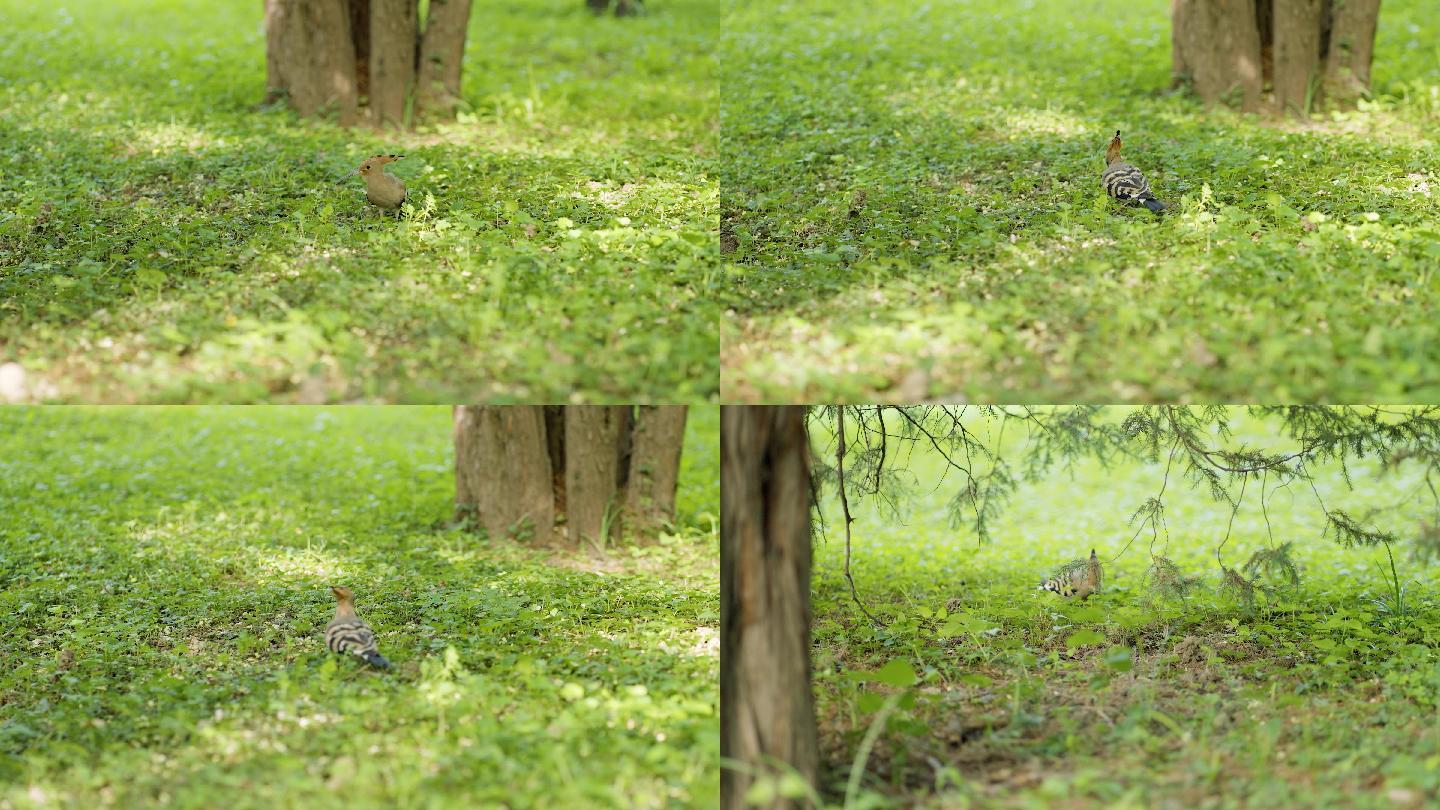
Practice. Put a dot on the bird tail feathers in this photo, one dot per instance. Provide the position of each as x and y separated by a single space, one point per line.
1155 205
375 659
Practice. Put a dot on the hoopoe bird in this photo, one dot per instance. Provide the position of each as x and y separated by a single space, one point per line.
1079 578
381 187
1125 182
346 633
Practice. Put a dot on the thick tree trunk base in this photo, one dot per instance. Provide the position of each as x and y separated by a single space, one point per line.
1297 55
1217 47
366 60
502 471
310 57
1351 51
393 43
655 465
1281 56
442 51
596 460
520 465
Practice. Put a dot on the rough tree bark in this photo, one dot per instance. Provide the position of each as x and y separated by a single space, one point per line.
442 50
655 464
360 23
360 57
1351 51
555 439
597 451
535 462
502 469
1303 52
392 59
767 713
310 56
1297 53
1216 45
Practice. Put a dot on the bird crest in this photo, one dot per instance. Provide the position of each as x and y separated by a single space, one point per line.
1112 153
376 162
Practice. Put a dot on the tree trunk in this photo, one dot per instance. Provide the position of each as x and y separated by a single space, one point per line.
1216 46
502 469
597 443
392 59
1351 49
360 26
1297 54
310 56
515 463
555 439
442 50
334 54
1301 51
655 464
767 713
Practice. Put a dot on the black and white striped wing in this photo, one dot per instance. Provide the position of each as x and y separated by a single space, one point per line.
1060 585
1125 183
352 637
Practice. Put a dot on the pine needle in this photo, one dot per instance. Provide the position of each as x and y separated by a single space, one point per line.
1166 578
1274 564
1239 587
1073 565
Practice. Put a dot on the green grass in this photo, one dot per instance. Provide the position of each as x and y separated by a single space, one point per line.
164 583
161 240
911 208
1316 698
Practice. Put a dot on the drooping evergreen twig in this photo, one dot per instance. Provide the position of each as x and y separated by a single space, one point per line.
1196 443
845 508
1167 578
1230 525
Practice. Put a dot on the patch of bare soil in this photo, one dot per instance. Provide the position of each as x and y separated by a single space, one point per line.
690 569
593 562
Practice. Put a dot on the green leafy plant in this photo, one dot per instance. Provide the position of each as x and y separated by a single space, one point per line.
1392 606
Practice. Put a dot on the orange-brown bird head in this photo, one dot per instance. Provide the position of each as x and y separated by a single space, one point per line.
375 164
1112 154
343 594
